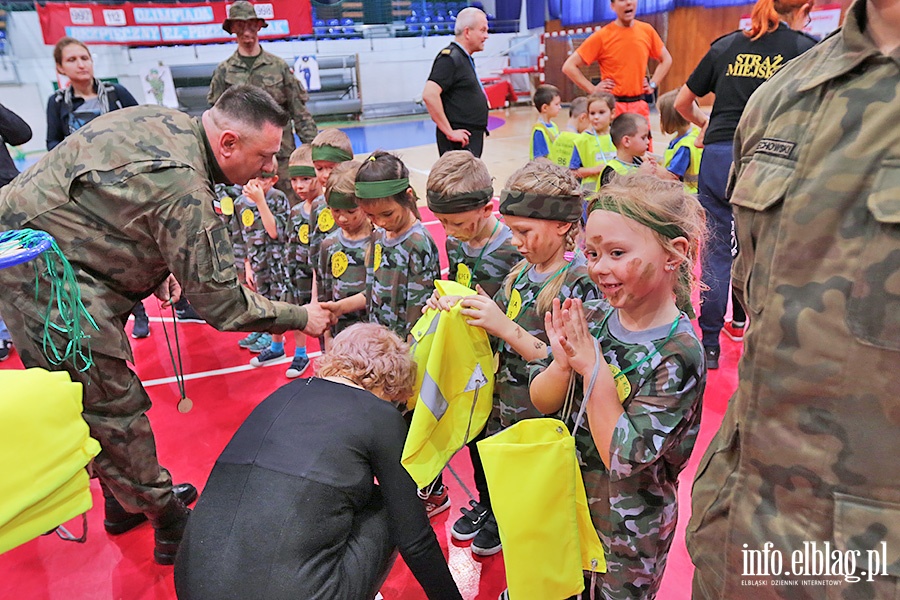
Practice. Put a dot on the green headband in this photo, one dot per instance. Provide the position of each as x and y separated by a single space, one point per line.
340 200
381 189
330 153
439 203
607 203
541 206
301 171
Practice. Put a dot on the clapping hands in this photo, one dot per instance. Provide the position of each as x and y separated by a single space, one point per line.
570 337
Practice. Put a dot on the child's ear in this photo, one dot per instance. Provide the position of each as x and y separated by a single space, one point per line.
676 256
487 210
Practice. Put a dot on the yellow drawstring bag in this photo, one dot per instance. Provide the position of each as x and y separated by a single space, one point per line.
539 501
45 446
454 388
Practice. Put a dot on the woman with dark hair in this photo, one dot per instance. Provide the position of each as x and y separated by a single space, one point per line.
735 65
291 509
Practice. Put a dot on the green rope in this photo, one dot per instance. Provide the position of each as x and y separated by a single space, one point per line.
65 296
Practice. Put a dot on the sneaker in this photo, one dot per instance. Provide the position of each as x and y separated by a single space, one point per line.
141 327
468 525
487 541
264 341
265 357
712 357
188 315
298 366
5 347
436 502
504 595
734 332
250 339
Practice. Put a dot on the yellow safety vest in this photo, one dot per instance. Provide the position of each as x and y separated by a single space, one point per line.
563 147
550 133
622 168
692 174
454 387
594 150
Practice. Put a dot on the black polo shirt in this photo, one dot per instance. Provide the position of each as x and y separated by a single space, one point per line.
463 98
735 66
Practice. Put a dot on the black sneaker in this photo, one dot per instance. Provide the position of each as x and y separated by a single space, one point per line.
188 315
712 357
141 328
298 367
487 541
5 347
467 526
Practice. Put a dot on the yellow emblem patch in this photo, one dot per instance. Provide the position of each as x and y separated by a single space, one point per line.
376 258
339 263
463 275
226 204
303 233
325 220
515 305
247 217
623 386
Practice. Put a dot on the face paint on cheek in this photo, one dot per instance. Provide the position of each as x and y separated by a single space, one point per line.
647 272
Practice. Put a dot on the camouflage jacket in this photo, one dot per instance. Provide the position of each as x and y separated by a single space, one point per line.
298 265
129 198
266 255
512 402
322 225
400 276
272 74
807 450
487 266
634 504
341 272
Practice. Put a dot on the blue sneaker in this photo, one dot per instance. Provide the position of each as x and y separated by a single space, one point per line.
250 339
263 343
298 366
265 357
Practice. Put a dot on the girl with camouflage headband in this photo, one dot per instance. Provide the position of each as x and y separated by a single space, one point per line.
542 205
643 411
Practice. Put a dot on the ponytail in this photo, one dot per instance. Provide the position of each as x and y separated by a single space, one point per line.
768 13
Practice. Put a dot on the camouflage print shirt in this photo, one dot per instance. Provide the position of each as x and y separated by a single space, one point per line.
298 265
266 255
807 452
400 277
272 74
634 503
322 225
126 215
341 272
229 194
487 266
512 402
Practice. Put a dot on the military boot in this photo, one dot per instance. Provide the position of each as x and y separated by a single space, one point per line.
169 529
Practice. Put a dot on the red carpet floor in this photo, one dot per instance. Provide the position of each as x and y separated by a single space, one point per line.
224 389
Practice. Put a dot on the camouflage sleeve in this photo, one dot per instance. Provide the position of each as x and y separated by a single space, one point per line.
424 268
304 124
324 280
217 85
196 246
585 289
652 421
281 210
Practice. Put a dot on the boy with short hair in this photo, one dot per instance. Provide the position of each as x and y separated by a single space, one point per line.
330 148
630 132
579 122
548 103
594 148
264 211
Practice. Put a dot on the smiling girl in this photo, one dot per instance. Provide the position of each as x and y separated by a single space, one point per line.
643 412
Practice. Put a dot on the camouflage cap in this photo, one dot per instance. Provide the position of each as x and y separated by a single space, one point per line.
541 206
241 11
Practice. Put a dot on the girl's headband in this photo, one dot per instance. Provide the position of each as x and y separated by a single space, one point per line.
381 189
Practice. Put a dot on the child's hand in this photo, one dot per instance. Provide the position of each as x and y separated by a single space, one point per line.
254 191
438 302
249 276
483 312
556 331
648 167
578 343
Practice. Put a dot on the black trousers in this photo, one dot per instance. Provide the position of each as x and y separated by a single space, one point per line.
476 142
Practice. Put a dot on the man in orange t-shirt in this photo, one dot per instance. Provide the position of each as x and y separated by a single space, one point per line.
622 49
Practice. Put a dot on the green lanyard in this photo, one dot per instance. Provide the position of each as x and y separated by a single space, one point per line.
541 289
460 253
656 348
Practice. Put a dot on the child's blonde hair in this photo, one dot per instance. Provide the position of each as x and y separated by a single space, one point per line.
343 178
335 138
661 204
670 120
544 177
301 156
458 172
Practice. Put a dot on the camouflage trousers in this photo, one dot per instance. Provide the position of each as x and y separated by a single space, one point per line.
115 404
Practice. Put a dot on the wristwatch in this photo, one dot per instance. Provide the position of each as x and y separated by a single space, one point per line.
652 85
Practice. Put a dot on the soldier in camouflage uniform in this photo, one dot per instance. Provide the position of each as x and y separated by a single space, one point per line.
130 200
807 450
252 65
479 246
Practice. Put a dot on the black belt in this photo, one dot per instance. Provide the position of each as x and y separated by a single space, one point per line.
627 99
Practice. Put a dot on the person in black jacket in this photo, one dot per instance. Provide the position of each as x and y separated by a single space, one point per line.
453 93
291 508
15 132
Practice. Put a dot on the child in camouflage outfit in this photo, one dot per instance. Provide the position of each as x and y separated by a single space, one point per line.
542 205
341 267
642 241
